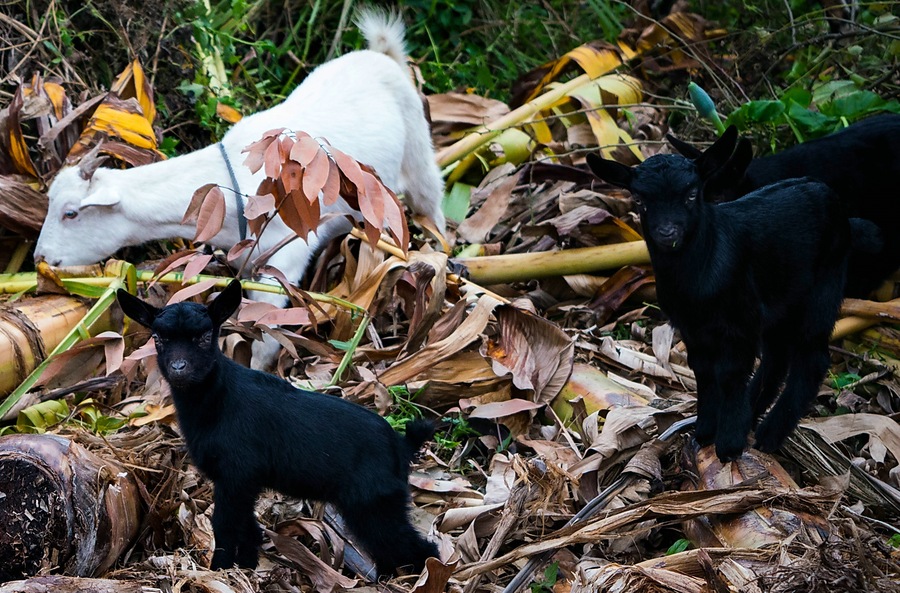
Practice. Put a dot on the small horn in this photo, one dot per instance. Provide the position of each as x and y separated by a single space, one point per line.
91 161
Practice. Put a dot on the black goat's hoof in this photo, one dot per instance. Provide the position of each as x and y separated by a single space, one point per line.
770 436
729 449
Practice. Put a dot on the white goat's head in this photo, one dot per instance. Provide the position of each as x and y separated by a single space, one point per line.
84 223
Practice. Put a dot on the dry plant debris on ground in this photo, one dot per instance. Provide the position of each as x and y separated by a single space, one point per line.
563 460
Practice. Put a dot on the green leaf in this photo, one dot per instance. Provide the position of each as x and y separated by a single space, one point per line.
833 90
679 546
456 203
340 345
39 417
812 122
755 112
852 105
798 95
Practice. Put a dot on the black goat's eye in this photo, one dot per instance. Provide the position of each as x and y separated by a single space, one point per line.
205 340
159 341
70 214
692 195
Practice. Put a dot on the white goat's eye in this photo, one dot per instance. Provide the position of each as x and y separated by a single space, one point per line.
70 214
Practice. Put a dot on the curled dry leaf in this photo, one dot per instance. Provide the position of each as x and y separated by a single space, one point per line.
883 431
83 359
594 58
324 578
536 352
435 576
588 390
596 575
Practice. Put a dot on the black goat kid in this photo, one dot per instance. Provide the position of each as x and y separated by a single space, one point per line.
861 163
762 275
247 430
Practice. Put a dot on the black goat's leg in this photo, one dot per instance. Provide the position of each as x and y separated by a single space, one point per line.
383 528
808 367
231 517
733 370
249 540
772 370
708 395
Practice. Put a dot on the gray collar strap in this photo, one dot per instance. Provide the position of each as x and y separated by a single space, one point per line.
238 200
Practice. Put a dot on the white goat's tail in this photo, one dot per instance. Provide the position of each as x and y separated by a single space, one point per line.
384 32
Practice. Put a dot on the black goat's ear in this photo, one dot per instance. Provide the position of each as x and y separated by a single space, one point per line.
716 156
721 185
226 303
741 158
610 171
684 149
143 313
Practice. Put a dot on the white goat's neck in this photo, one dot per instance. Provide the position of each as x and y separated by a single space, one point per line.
164 192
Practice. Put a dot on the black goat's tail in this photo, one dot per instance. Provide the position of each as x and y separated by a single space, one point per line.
866 236
417 433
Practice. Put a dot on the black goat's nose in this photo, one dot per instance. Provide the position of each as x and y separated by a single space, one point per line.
178 365
667 231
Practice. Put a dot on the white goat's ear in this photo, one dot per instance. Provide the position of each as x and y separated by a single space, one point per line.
100 198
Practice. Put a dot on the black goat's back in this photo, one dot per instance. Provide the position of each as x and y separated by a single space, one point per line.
268 424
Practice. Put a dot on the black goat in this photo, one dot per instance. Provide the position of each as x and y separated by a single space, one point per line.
762 275
247 430
861 163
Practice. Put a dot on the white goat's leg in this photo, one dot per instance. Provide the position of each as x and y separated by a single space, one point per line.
292 260
266 351
420 176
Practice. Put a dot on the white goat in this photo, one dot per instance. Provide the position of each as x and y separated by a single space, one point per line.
363 103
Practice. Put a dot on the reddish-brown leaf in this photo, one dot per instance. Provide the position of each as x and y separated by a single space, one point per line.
192 290
254 310
256 154
287 210
174 261
350 168
315 175
211 216
304 150
331 191
193 209
195 266
239 248
292 175
292 316
257 206
372 203
256 150
273 159
309 211
395 219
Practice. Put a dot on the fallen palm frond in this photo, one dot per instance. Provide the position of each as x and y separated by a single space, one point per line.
84 510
